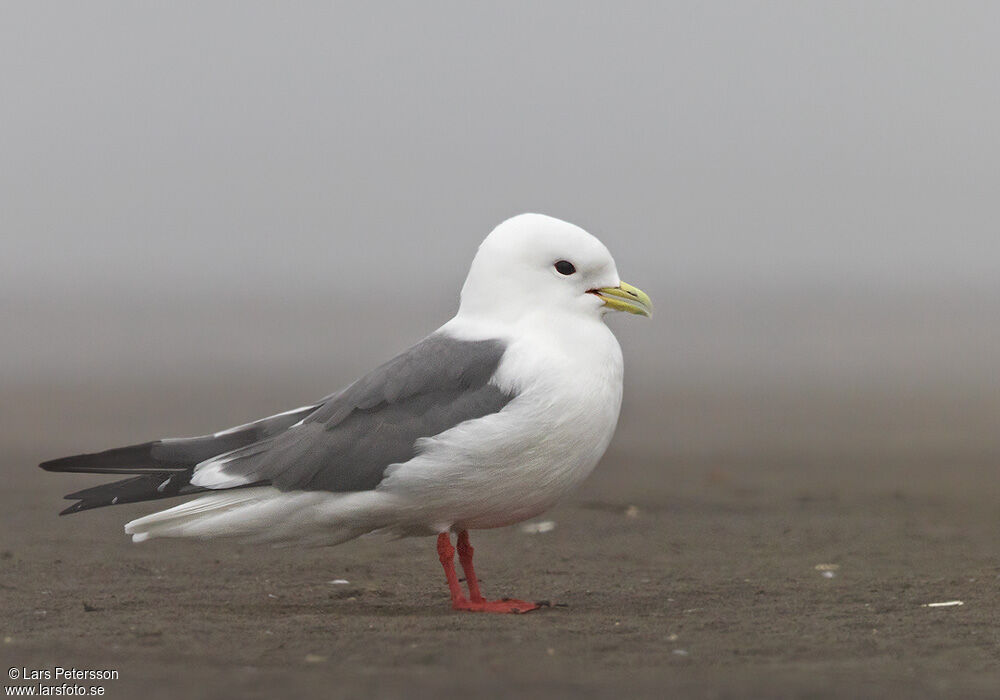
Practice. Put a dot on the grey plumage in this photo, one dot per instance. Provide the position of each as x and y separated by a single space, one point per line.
344 442
349 441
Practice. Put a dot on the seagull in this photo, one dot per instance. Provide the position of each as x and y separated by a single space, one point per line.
484 423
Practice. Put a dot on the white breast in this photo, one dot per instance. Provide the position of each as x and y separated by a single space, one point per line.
513 465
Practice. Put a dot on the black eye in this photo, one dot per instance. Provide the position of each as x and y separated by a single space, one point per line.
565 267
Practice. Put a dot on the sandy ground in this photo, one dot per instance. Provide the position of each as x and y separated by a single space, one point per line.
686 567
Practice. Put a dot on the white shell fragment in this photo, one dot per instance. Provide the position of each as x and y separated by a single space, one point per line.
539 527
827 570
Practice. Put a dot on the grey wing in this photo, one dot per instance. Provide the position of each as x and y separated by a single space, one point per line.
349 441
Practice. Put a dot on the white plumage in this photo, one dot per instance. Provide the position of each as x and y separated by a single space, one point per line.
487 422
561 360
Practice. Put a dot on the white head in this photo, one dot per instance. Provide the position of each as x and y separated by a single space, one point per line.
533 262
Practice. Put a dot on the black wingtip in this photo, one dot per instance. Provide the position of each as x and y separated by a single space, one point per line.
54 465
75 508
146 487
87 463
134 459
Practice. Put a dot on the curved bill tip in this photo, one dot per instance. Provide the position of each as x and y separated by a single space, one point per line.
626 298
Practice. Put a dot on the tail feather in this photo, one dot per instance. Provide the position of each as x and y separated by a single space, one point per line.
173 521
265 514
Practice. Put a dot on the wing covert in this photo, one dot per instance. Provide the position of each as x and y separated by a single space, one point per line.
347 443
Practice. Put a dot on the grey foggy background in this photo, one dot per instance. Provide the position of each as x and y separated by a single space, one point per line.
285 194
214 211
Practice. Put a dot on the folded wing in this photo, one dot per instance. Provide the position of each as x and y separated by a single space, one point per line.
350 440
342 443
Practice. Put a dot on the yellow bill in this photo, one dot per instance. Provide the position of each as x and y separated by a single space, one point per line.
625 297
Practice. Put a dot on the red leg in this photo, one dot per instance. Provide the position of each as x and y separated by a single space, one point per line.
465 552
446 553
